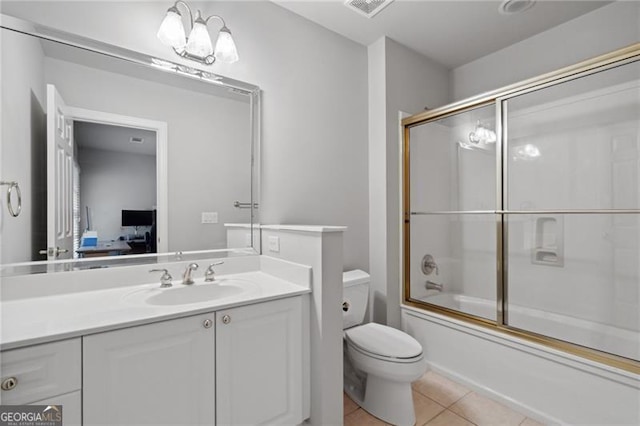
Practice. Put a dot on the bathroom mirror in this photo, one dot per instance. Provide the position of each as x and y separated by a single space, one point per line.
120 158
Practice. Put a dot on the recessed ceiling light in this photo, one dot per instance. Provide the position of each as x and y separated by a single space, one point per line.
511 7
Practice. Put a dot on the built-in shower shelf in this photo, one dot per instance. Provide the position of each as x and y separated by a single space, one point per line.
547 257
548 246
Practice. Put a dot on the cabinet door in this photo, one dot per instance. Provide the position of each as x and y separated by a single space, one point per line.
161 373
259 364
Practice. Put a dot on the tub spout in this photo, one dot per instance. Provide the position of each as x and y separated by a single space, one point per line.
430 285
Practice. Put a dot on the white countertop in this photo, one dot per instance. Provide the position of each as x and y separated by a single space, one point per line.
37 320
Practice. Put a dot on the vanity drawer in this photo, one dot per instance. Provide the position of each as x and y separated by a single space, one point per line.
40 372
71 407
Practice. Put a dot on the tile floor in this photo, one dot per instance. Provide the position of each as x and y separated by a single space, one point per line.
439 401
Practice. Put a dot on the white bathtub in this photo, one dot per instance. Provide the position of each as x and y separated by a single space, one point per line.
594 335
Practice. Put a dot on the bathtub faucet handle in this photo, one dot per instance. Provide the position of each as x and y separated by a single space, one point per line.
429 265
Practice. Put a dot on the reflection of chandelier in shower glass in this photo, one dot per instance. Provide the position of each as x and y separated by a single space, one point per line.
528 152
482 135
479 138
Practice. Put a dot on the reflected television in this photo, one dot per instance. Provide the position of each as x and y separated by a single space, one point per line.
137 217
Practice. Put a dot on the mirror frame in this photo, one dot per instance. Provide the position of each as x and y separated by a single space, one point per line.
252 91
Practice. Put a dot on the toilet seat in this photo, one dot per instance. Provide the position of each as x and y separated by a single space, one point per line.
384 343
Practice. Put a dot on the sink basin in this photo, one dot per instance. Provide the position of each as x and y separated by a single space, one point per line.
197 293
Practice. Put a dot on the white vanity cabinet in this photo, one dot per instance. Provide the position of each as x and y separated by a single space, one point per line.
240 366
46 374
161 373
259 364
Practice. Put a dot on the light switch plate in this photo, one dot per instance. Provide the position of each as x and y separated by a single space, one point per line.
209 217
274 244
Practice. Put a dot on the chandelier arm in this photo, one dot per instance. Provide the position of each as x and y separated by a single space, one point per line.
180 2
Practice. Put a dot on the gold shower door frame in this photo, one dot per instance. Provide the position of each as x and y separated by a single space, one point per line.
497 98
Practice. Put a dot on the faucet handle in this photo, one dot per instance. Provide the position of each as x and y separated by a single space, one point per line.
165 279
209 273
429 264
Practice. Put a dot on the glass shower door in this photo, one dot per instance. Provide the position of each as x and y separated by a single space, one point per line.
453 213
573 211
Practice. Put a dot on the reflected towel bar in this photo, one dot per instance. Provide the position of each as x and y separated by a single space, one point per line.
240 205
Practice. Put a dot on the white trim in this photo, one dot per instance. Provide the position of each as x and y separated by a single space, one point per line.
162 178
304 228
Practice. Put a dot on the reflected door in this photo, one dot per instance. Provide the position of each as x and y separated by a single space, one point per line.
59 178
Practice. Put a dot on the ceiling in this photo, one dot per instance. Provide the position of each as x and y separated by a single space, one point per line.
451 32
106 137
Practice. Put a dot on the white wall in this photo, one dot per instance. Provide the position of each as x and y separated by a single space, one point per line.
378 221
314 113
605 29
401 80
23 124
113 181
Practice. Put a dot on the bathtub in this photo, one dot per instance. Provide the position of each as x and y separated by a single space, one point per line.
603 337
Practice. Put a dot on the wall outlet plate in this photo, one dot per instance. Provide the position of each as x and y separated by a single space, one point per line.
209 217
274 244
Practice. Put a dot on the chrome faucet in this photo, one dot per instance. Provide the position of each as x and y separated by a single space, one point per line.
430 285
186 278
209 274
165 279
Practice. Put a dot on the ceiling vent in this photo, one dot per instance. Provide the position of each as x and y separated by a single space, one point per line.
136 140
368 8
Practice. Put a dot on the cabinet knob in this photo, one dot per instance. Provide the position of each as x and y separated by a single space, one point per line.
10 383
226 319
207 323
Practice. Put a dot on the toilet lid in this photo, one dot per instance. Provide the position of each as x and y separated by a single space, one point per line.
383 341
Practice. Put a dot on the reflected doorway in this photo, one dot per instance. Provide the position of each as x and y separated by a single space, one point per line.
115 197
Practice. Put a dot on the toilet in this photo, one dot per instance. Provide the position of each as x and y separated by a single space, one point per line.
380 362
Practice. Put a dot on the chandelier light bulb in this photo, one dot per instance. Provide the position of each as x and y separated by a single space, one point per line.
225 47
171 31
199 42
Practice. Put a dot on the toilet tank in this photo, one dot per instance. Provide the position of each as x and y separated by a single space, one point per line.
355 297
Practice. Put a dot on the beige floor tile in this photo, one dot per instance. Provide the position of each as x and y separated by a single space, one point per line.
425 408
348 405
439 388
531 422
447 418
362 418
484 411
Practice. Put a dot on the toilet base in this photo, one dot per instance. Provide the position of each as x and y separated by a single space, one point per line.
389 401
